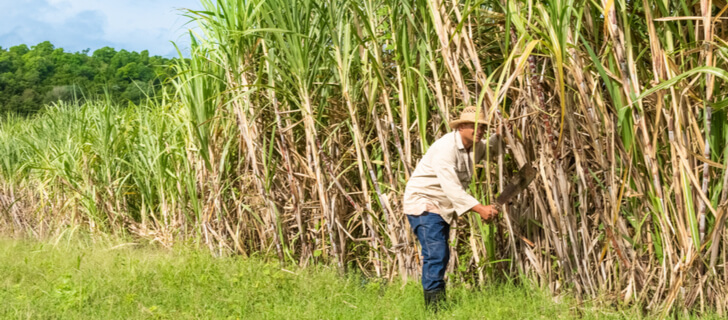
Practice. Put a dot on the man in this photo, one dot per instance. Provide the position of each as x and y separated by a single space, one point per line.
436 195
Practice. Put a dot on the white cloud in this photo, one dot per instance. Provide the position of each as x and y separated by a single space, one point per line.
79 24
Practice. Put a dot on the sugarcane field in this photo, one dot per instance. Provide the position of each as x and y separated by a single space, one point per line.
374 159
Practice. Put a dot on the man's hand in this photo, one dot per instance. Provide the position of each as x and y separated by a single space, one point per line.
486 212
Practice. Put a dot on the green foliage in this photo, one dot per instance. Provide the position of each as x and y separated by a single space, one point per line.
33 77
109 280
135 153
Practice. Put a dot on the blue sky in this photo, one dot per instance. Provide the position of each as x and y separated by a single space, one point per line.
75 25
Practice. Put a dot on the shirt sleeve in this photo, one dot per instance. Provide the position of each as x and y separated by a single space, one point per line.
494 143
445 163
491 147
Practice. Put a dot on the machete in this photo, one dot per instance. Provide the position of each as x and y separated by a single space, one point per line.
520 182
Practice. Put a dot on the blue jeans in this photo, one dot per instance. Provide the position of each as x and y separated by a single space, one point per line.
432 232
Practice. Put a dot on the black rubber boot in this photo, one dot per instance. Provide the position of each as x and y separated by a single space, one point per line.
434 299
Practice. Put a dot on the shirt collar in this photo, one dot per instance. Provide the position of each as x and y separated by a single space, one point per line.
459 140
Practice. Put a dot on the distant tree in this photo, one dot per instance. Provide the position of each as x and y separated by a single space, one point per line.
104 54
35 76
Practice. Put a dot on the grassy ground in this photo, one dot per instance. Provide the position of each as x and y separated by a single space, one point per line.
117 281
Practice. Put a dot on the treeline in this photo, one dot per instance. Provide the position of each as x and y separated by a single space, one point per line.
35 76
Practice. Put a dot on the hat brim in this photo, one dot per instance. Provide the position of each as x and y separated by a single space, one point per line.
455 123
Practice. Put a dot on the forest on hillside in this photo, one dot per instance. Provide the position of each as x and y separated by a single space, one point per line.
31 77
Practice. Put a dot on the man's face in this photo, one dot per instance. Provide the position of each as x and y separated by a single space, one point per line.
468 133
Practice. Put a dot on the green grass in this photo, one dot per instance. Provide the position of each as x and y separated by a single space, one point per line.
77 280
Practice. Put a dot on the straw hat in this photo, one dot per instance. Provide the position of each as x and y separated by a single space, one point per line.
468 116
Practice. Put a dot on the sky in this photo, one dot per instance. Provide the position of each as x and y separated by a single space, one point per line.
75 25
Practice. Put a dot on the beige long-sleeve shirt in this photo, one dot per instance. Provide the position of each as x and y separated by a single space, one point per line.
440 180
